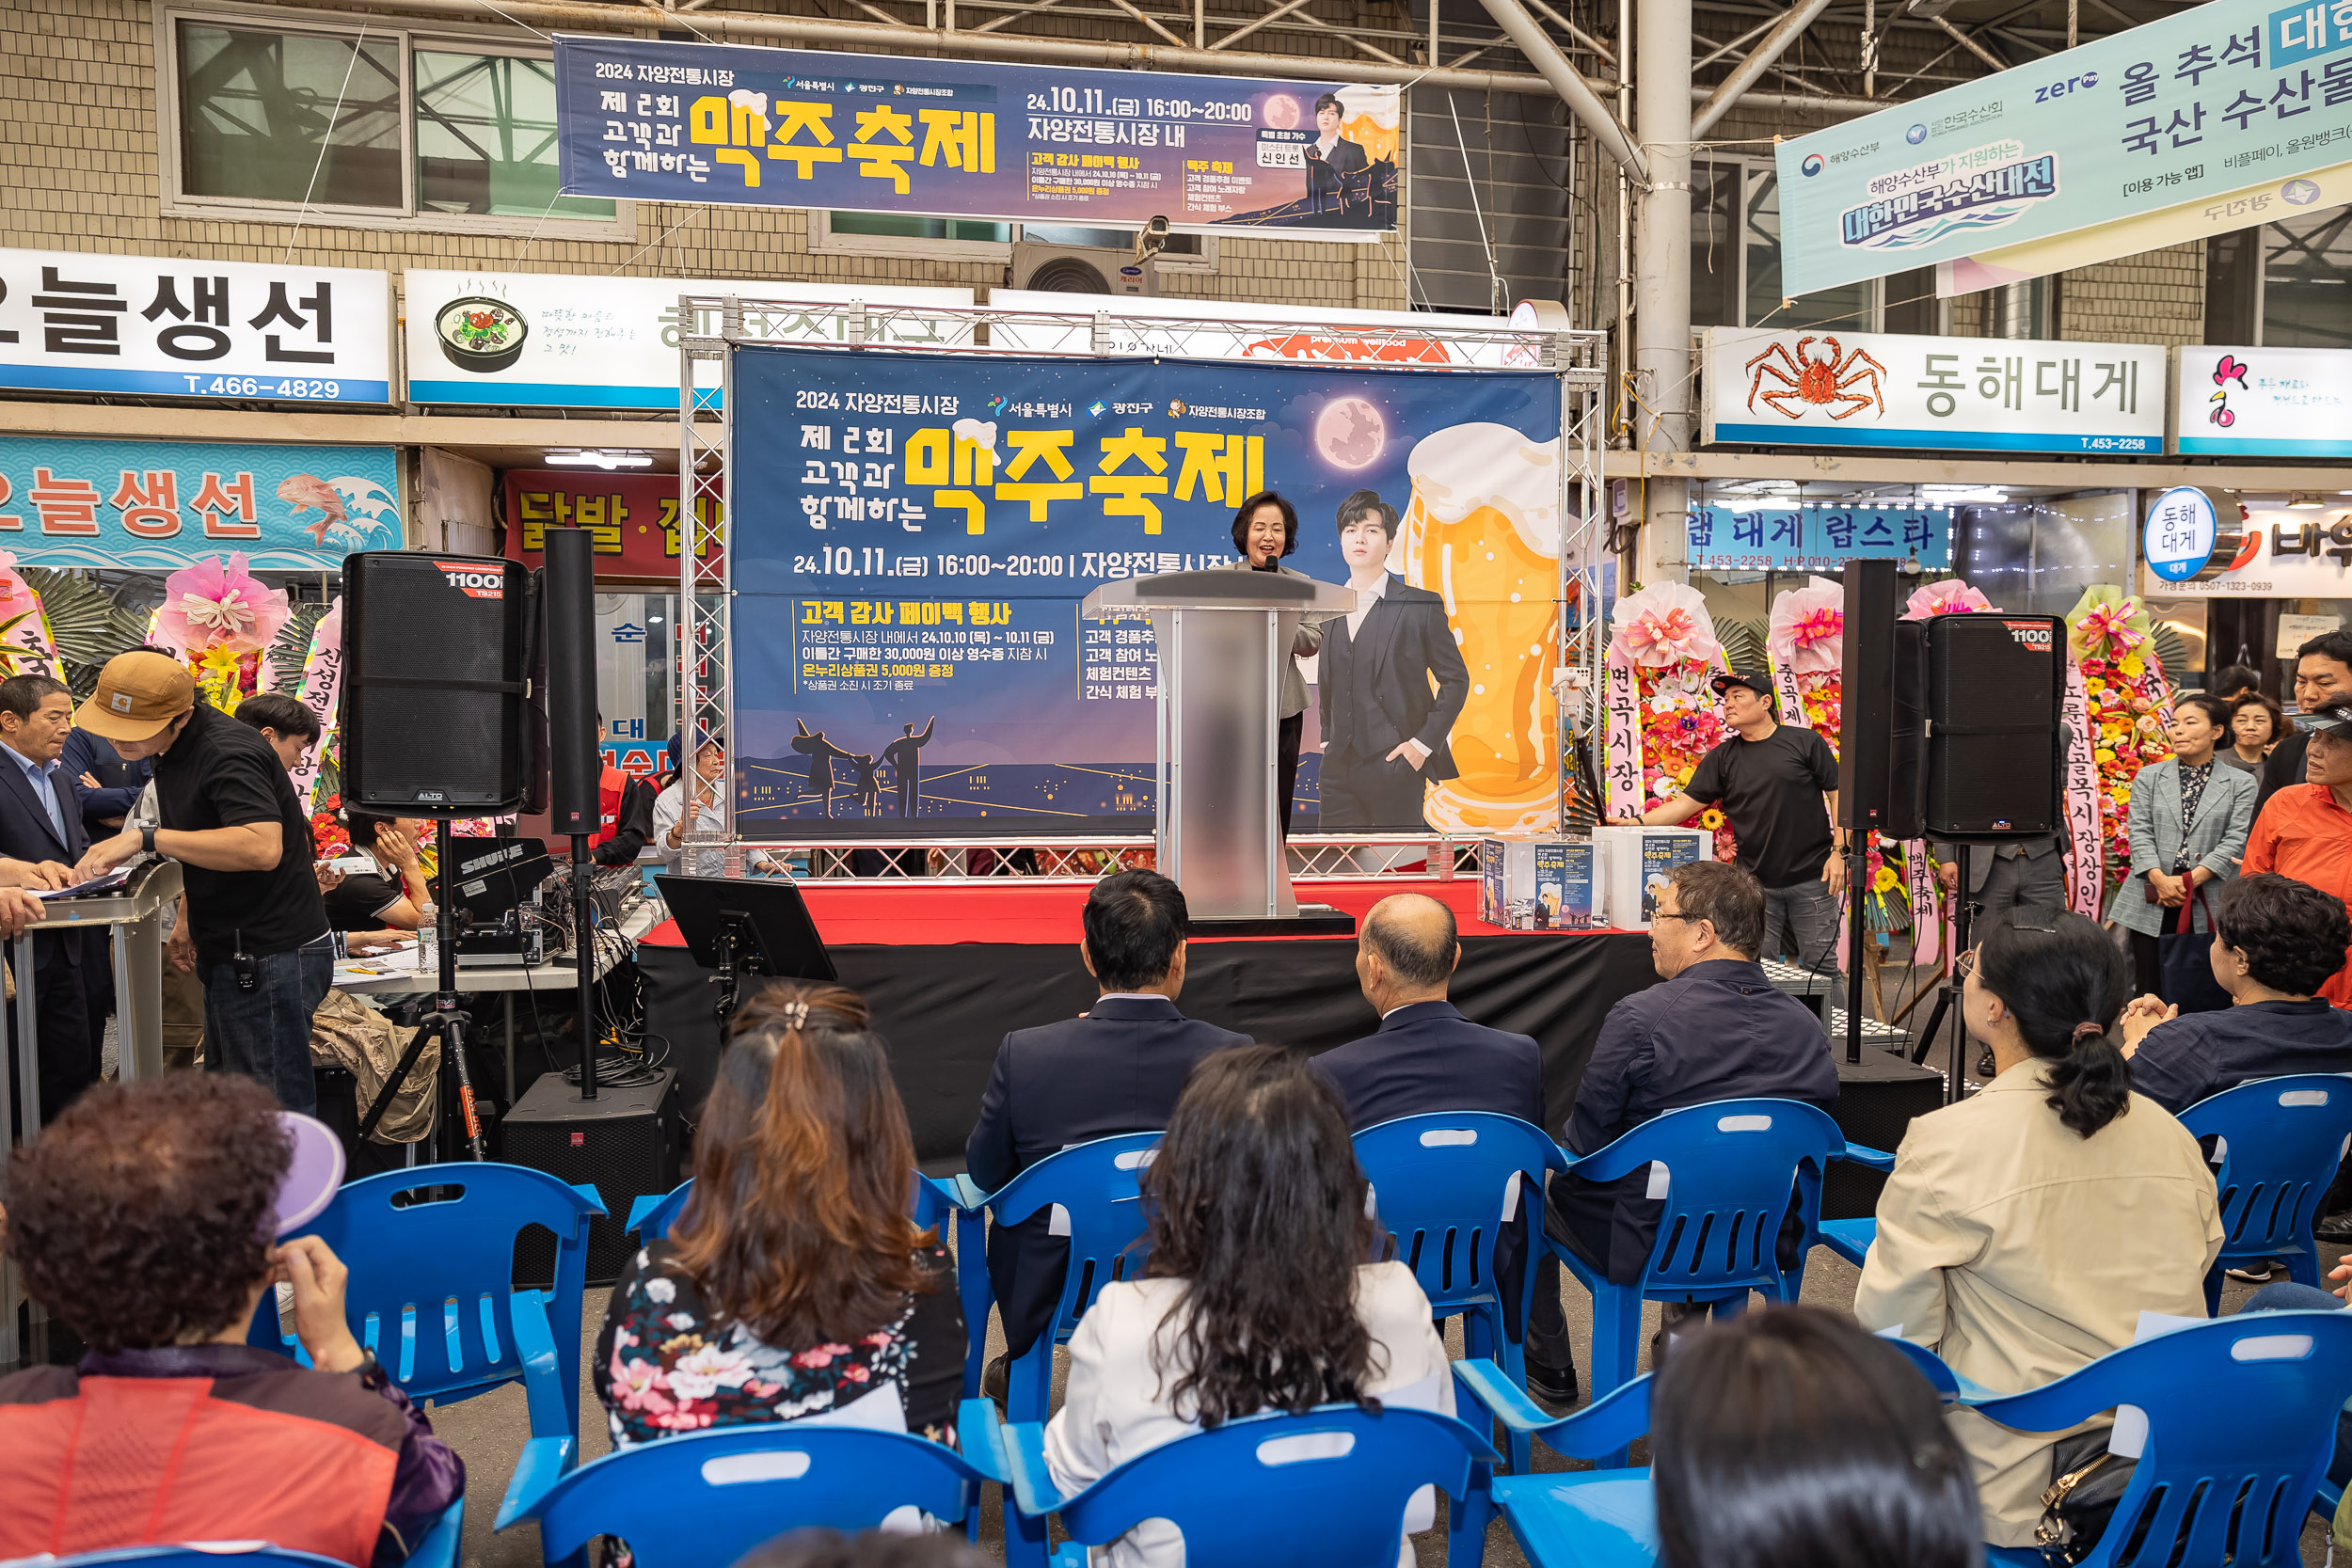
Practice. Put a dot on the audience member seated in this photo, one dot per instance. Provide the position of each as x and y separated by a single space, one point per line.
2275 942
1716 1030
1425 1055
2026 1229
794 1285
873 1548
387 902
1256 1295
1116 1068
142 1219
1789 1438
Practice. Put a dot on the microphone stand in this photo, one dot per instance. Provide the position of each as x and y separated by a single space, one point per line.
583 960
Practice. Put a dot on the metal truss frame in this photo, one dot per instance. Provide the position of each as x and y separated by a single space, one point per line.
706 654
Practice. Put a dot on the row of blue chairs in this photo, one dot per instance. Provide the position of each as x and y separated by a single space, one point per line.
2241 1419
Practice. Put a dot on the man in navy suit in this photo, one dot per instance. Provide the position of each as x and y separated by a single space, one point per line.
1117 1068
41 821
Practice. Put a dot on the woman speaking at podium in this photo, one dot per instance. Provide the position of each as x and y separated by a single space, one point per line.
1266 530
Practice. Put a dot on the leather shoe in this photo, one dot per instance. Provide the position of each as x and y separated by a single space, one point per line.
1552 1388
997 1380
2336 1228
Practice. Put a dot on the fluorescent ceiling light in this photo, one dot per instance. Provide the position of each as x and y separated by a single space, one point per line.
1946 494
608 461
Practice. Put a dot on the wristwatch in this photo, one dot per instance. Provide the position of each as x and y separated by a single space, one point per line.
146 837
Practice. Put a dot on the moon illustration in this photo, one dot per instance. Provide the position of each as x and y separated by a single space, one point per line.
1350 433
1281 112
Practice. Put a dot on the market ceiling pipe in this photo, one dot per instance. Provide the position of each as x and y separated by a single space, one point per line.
1767 49
1569 84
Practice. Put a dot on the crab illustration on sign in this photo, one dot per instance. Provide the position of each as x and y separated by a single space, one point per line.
1831 382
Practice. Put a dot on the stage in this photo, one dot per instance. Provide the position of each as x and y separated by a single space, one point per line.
950 970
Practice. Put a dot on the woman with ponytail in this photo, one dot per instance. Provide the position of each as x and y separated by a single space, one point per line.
2026 1229
793 1285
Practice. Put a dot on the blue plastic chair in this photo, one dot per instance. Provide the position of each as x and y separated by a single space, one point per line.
937 1204
1262 1490
1439 1186
2241 1423
2284 1138
454 1261
703 1499
1734 1167
1097 1184
438 1549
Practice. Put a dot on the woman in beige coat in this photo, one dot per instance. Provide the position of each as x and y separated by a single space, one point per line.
2026 1229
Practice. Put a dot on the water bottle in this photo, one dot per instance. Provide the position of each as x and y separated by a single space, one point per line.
428 939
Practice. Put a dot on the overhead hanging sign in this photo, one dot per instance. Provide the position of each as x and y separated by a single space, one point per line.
1041 144
632 519
2254 402
2278 553
520 340
1810 538
1808 388
1229 329
213 331
2217 103
157 506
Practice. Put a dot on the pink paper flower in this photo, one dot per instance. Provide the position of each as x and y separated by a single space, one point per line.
1807 630
1666 625
1949 598
210 605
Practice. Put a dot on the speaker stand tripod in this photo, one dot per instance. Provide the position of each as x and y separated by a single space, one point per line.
447 1023
1948 993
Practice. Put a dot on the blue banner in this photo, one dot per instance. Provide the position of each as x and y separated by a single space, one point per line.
2238 96
157 506
1809 538
1047 144
913 535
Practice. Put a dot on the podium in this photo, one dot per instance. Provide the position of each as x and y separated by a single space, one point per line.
1222 638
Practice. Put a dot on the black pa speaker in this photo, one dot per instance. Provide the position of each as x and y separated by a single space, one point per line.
568 595
437 695
1994 715
1866 739
624 1143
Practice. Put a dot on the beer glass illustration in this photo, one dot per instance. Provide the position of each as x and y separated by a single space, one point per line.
1368 118
1482 531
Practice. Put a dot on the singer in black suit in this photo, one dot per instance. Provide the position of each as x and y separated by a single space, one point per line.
1117 1068
1391 683
41 821
1331 157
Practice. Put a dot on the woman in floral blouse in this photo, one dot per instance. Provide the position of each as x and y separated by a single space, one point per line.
794 1285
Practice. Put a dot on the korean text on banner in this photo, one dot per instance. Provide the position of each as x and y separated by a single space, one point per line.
217 331
157 506
1808 388
2210 103
1042 144
2279 552
1817 538
2272 402
632 519
911 537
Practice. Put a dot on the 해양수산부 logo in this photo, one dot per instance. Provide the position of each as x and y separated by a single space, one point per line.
1985 187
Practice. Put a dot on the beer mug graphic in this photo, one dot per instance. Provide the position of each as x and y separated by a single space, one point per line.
1368 118
1482 532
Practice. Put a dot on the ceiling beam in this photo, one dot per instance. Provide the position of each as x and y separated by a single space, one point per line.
1761 58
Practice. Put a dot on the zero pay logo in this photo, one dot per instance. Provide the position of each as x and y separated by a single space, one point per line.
473 580
2031 634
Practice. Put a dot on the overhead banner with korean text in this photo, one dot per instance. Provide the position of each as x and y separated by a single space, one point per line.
2216 102
2263 402
157 506
913 535
632 519
1042 144
1764 537
212 331
1808 388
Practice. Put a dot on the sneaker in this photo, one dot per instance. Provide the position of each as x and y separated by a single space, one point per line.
2252 1274
2336 1228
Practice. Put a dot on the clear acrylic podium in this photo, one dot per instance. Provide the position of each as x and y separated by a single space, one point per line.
1222 638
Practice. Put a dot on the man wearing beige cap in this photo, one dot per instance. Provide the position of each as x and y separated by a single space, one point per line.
231 818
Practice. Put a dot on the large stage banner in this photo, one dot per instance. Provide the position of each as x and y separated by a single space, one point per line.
912 533
954 138
2220 105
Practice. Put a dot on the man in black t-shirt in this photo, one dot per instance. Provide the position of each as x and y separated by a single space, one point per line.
231 818
1777 784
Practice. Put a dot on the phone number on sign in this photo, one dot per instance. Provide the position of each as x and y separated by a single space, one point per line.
260 387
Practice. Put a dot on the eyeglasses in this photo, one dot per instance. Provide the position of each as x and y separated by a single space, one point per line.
1675 914
1963 966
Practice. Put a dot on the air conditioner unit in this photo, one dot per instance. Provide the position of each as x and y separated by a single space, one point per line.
1061 269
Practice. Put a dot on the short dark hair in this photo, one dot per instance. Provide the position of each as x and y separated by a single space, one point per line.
364 825
2256 700
272 710
144 1214
1414 961
2293 934
2334 645
1363 503
873 1548
1726 896
2066 981
1792 1436
1330 101
1265 497
24 694
2232 678
1134 921
2217 712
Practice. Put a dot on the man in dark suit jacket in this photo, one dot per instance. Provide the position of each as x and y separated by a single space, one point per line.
1117 1068
1331 157
41 821
1385 729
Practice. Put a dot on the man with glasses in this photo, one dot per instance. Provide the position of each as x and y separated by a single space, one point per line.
1715 1030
